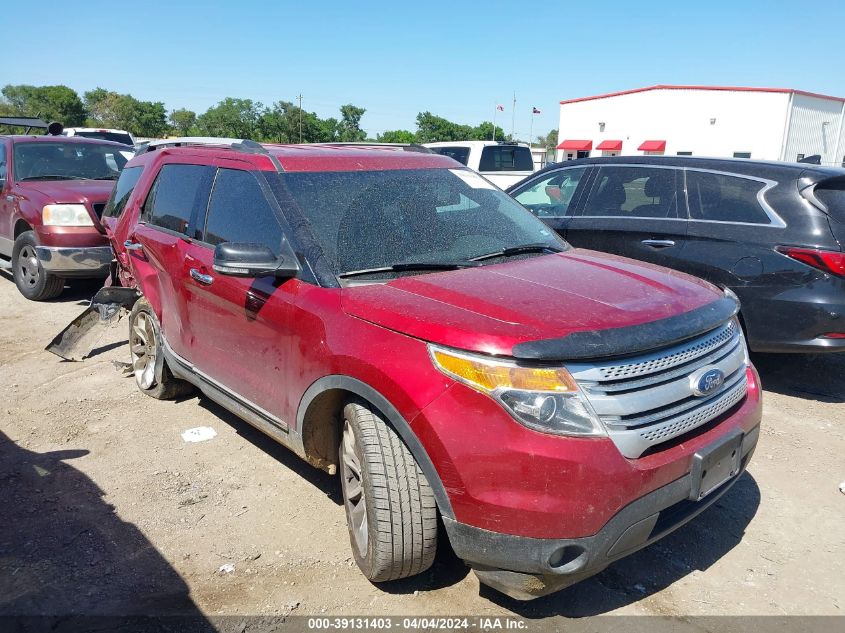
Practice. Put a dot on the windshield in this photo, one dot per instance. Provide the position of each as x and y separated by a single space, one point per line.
117 137
68 161
375 219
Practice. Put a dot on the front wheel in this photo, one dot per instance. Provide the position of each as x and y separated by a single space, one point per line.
34 283
146 354
390 507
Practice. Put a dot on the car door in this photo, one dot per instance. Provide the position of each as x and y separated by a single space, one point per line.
732 233
241 327
157 245
7 205
553 195
635 211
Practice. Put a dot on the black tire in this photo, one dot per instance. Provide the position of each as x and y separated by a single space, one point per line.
145 347
32 280
390 508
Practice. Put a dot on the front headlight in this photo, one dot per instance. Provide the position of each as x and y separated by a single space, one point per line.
546 399
66 215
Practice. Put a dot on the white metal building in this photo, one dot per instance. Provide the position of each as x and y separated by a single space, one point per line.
764 123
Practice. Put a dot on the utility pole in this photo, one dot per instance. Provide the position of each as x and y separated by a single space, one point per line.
300 117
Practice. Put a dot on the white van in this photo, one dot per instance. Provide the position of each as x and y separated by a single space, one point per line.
503 164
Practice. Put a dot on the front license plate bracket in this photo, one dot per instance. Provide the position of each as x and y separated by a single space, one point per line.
714 465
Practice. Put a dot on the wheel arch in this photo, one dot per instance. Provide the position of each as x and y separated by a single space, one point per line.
21 226
318 422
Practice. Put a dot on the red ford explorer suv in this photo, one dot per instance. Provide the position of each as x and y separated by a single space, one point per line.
392 317
52 190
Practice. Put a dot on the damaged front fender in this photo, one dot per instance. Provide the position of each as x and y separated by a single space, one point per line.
80 338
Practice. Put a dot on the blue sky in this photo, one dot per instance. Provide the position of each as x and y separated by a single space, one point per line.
456 59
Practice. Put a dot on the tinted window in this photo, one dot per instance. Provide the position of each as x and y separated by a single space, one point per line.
633 192
552 195
368 219
178 190
506 158
121 192
107 136
831 193
2 161
721 198
239 212
460 154
66 160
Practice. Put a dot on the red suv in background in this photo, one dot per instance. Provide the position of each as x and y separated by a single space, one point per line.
392 317
52 191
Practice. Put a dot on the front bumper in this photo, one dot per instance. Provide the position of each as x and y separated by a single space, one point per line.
87 261
526 568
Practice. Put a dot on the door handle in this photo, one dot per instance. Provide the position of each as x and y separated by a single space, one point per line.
658 243
205 280
129 245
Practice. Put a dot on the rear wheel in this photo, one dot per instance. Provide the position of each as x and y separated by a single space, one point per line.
145 351
390 507
31 279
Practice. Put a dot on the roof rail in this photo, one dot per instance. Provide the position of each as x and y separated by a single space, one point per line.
246 146
407 147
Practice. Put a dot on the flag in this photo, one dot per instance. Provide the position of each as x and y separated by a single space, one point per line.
500 108
535 110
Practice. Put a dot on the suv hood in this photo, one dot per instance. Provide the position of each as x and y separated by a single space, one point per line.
492 309
69 191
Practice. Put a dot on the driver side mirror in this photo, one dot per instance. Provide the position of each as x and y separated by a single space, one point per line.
247 259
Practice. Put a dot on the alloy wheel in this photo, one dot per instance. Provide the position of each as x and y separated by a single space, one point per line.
353 490
29 270
144 349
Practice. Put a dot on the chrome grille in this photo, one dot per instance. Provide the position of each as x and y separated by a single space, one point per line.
647 400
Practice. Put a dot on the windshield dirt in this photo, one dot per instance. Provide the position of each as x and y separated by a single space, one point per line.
375 220
67 161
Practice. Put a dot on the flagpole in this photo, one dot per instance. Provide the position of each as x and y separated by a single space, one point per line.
513 113
531 133
495 108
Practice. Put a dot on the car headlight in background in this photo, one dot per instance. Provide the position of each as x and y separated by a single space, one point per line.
545 399
66 215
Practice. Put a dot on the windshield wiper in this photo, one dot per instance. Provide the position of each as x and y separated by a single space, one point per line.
519 250
53 177
409 266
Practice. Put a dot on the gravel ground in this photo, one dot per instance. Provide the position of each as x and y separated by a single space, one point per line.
104 508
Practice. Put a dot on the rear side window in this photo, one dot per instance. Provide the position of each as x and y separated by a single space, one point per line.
460 154
121 192
2 161
239 212
831 193
176 193
506 158
723 198
634 192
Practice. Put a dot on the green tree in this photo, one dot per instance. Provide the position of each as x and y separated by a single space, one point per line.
349 128
51 103
108 109
484 132
432 128
182 120
397 136
549 141
149 118
231 117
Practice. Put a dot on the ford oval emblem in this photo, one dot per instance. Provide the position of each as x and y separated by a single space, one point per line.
706 381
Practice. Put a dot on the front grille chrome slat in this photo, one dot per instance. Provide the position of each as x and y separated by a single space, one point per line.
647 400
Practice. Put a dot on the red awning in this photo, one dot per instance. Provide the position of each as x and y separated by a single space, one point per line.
578 146
612 146
653 146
